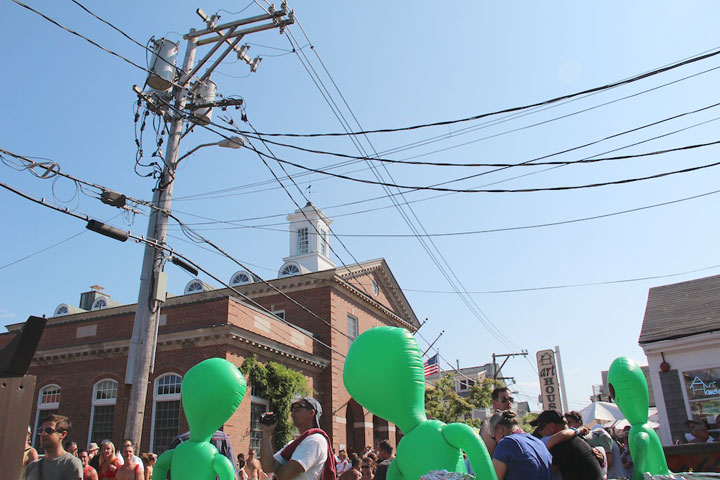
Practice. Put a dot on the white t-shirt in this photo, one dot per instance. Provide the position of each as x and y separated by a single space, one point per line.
311 454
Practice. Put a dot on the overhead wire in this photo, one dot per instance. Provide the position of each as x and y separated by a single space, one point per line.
608 86
165 248
469 302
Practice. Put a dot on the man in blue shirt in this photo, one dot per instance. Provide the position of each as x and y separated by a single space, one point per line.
518 455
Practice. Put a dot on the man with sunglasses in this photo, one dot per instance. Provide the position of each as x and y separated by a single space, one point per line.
57 464
502 401
309 456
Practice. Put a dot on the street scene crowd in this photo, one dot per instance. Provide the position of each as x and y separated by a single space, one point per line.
559 447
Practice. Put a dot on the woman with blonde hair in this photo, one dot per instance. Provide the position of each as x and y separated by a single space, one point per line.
109 462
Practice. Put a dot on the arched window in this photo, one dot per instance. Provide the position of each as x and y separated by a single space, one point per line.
48 403
194 286
166 411
99 304
102 417
61 310
289 269
240 278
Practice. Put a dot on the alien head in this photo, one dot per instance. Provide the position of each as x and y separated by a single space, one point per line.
628 388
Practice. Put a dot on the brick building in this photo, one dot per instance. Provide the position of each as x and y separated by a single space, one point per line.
82 357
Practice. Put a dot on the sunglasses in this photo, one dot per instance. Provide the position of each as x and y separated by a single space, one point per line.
365 466
507 400
299 406
49 431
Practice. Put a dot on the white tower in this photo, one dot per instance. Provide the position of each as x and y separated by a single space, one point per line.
309 242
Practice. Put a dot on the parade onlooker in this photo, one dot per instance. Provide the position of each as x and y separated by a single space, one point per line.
698 432
242 474
386 458
570 454
352 473
137 459
597 438
57 464
502 399
89 473
309 456
342 462
29 454
131 469
367 469
518 455
253 468
365 451
148 460
71 448
108 462
93 450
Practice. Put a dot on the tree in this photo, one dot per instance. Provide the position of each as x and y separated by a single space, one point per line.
443 403
280 386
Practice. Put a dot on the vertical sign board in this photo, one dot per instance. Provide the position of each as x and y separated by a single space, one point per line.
549 387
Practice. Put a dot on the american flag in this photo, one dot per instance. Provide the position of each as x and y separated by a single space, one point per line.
431 365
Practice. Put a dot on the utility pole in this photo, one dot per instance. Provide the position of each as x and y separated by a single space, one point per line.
151 294
496 371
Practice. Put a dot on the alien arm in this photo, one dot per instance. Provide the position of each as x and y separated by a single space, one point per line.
162 465
393 471
462 436
223 467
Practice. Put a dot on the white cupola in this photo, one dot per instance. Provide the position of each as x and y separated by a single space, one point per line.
309 242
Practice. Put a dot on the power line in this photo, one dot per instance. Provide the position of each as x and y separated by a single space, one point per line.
507 110
470 190
447 273
162 247
529 163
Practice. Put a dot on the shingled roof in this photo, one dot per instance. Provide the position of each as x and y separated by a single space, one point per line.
682 309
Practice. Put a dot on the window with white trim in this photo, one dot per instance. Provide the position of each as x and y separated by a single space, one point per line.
323 242
352 328
279 314
102 417
48 403
166 411
258 406
289 270
302 241
465 384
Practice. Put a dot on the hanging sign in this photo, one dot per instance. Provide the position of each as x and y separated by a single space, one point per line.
549 386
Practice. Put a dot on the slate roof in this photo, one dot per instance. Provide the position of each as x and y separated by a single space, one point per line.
682 309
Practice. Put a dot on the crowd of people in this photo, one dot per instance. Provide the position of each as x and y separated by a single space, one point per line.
560 446
64 460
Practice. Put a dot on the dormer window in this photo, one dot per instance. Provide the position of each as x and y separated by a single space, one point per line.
302 241
99 304
195 286
289 269
240 278
61 310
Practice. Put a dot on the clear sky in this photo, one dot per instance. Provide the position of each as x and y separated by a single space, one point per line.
396 64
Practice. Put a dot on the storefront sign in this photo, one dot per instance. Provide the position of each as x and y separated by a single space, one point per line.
549 387
703 391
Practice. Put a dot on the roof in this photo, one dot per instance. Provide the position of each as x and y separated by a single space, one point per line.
681 310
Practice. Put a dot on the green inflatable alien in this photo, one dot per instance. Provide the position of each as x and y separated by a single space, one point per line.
397 394
629 389
211 392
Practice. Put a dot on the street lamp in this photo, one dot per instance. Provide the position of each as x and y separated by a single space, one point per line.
232 142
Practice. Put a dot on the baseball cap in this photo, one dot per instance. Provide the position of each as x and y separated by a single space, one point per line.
314 404
548 416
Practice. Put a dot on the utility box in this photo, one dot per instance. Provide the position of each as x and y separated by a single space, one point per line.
162 64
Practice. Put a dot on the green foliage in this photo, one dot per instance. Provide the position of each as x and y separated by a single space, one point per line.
280 386
525 422
443 403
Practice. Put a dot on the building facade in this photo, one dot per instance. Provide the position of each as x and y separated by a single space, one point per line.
82 357
681 339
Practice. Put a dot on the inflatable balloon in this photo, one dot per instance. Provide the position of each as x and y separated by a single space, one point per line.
211 392
629 389
397 394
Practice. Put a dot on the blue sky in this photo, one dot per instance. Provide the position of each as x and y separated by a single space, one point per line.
396 64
